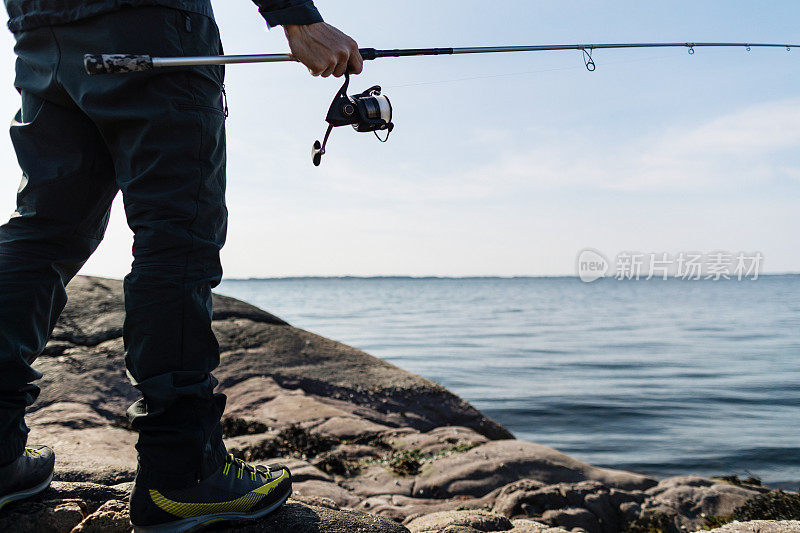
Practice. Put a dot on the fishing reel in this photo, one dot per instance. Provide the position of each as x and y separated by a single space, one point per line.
367 112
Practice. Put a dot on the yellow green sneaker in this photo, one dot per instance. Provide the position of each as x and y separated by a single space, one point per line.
237 491
28 475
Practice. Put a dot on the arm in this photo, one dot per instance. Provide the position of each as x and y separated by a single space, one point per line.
323 49
279 12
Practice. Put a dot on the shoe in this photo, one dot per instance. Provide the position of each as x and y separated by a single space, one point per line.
29 475
237 491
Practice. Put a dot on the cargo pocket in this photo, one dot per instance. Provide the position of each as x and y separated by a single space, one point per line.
200 37
68 177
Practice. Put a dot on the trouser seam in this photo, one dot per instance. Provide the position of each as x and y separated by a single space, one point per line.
193 91
58 59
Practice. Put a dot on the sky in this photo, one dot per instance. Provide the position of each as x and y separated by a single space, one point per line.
505 164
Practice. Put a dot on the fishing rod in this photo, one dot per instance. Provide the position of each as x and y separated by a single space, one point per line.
371 111
120 63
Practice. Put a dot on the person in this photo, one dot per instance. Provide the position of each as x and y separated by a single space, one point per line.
159 137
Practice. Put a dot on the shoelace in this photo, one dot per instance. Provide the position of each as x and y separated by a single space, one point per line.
30 452
240 466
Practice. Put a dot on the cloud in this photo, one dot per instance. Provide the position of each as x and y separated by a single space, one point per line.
754 145
747 147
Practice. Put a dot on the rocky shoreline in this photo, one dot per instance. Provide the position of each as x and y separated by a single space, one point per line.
372 448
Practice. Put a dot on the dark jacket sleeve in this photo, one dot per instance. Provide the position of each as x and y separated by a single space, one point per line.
279 12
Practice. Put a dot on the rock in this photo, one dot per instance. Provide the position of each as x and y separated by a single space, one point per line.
250 394
356 431
288 407
337 390
95 313
573 518
111 517
356 452
349 428
274 374
435 441
51 516
315 501
761 526
606 513
100 320
295 517
530 526
367 388
524 497
403 507
59 508
477 472
497 463
302 470
231 308
475 520
50 512
690 499
629 511
610 507
67 414
91 493
331 491
376 480
103 455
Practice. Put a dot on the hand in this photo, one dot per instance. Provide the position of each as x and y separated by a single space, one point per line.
324 49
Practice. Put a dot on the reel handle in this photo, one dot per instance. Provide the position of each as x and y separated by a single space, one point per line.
319 147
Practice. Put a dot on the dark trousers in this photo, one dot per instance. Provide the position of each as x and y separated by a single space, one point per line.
159 137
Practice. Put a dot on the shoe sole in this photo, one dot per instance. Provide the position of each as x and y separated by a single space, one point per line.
199 522
25 493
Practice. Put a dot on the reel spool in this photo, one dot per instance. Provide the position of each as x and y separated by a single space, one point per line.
367 112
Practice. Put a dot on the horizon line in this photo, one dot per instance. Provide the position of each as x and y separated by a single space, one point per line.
486 277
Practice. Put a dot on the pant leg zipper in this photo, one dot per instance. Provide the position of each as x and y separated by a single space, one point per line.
224 100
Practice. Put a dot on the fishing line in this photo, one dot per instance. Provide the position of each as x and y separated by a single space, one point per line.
527 72
541 71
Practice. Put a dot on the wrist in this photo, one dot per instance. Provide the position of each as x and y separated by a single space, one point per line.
298 12
295 29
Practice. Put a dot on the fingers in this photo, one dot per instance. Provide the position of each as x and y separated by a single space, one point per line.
316 68
328 71
323 65
325 50
342 64
346 58
356 62
329 66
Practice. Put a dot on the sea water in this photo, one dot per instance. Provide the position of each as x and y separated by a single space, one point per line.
660 377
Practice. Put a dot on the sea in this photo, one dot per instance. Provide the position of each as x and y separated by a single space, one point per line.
659 377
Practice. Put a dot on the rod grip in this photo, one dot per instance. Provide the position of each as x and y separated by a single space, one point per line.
368 54
116 63
412 52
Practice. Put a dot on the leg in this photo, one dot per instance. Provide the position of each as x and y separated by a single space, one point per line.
165 131
176 208
62 211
